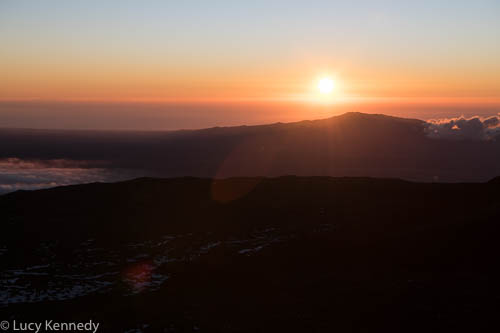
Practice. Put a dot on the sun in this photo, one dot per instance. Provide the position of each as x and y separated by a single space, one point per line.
325 85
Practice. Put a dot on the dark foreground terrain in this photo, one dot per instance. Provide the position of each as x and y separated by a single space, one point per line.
287 254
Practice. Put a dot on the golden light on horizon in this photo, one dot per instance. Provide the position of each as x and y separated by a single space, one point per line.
326 89
326 85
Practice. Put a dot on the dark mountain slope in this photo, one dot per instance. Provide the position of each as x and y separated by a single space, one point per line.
288 254
353 144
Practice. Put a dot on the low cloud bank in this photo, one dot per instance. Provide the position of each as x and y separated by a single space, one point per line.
475 128
17 174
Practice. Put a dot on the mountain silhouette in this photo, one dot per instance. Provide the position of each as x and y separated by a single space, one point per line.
353 144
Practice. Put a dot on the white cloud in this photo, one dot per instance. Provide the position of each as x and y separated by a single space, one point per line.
474 128
16 174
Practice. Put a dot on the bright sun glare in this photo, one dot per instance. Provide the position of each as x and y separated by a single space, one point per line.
325 85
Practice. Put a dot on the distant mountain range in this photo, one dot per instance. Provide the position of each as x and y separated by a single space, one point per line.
353 144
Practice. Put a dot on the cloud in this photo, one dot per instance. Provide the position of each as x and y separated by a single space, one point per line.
16 173
61 163
475 128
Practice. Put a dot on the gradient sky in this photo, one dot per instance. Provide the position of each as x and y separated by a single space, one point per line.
192 51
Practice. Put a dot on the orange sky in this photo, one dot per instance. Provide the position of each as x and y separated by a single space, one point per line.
445 52
118 80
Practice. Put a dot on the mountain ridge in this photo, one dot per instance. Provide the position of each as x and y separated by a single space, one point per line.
352 144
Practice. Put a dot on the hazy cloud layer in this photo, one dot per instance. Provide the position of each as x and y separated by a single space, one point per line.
16 174
475 128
